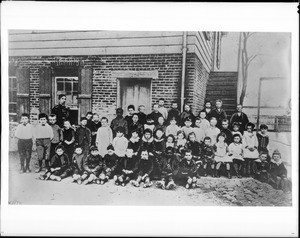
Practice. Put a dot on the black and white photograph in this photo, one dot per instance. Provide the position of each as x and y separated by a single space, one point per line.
135 118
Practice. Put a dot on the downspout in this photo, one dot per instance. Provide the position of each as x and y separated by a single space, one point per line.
184 50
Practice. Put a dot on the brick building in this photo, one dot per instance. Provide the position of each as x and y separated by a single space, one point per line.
102 70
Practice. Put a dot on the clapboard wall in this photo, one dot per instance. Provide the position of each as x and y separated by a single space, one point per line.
76 43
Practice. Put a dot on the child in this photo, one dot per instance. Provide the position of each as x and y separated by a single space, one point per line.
235 151
161 125
236 129
170 141
134 142
187 128
57 134
208 154
130 110
159 149
212 131
169 169
135 125
250 144
43 135
24 132
219 113
93 166
96 124
199 130
194 146
83 136
110 162
207 109
180 143
68 138
120 142
149 123
187 113
204 123
162 109
221 155
155 114
278 173
143 169
104 136
187 171
126 168
174 113
147 142
260 168
226 131
59 163
141 114
172 129
262 138
77 165
119 121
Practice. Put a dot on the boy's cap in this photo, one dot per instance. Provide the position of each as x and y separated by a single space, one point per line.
110 147
119 110
93 148
276 152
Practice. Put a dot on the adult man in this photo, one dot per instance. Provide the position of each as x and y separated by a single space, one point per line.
61 111
219 113
239 117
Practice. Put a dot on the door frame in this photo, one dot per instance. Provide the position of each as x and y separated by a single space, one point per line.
128 74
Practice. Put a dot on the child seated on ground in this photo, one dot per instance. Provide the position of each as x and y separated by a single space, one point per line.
260 167
134 142
250 144
77 165
144 167
278 173
126 168
263 139
120 142
212 131
208 154
93 165
147 142
170 141
169 169
58 165
221 155
187 171
173 128
110 162
180 143
235 151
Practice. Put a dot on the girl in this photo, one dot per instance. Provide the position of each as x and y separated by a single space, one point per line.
68 138
212 131
221 155
170 141
180 143
161 125
104 137
250 144
236 153
187 113
120 142
134 142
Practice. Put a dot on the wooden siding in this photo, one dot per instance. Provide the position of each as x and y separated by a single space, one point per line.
51 43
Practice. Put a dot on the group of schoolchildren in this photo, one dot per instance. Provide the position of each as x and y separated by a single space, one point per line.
169 147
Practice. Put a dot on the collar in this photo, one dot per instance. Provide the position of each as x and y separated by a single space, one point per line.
158 140
134 140
277 163
148 141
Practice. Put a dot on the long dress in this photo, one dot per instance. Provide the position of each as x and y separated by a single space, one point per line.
250 141
104 138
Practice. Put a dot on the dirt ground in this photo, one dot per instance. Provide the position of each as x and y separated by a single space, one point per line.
28 189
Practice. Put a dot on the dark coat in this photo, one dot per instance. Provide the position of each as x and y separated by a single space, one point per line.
147 145
78 161
207 152
142 118
62 113
144 166
208 113
135 145
242 119
110 161
263 142
119 121
185 115
83 136
138 127
228 134
219 115
277 170
59 161
126 164
174 113
155 116
169 166
187 169
93 162
195 147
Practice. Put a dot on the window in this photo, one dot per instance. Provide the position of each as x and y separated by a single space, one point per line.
12 98
68 86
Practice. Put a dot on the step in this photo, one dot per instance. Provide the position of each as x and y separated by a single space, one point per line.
223 73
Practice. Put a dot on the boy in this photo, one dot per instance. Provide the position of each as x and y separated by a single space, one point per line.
130 110
195 147
226 131
174 113
207 153
43 135
147 142
172 129
59 164
149 123
68 138
93 166
24 132
236 129
119 121
135 125
219 113
212 131
235 151
199 130
77 168
169 169
83 136
96 124
141 114
126 168
110 162
240 118
57 134
263 138
161 125
89 124
155 114
187 170
144 167
260 168
134 142
120 143
162 109
104 137
187 128
159 148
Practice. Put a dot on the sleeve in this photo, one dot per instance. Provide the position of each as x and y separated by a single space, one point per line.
110 136
86 164
150 169
73 136
50 131
99 165
89 135
175 167
231 120
77 136
17 132
113 168
98 136
60 132
255 142
114 142
53 161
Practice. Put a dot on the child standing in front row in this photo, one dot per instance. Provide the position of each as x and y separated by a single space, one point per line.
120 142
221 155
235 151
110 162
83 136
212 131
207 153
24 133
104 136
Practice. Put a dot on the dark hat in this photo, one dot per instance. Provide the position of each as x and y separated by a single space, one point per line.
94 148
119 110
276 152
250 124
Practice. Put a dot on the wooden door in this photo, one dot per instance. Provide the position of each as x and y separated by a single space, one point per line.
136 92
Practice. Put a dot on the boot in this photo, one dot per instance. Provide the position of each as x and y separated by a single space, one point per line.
40 166
28 165
229 174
